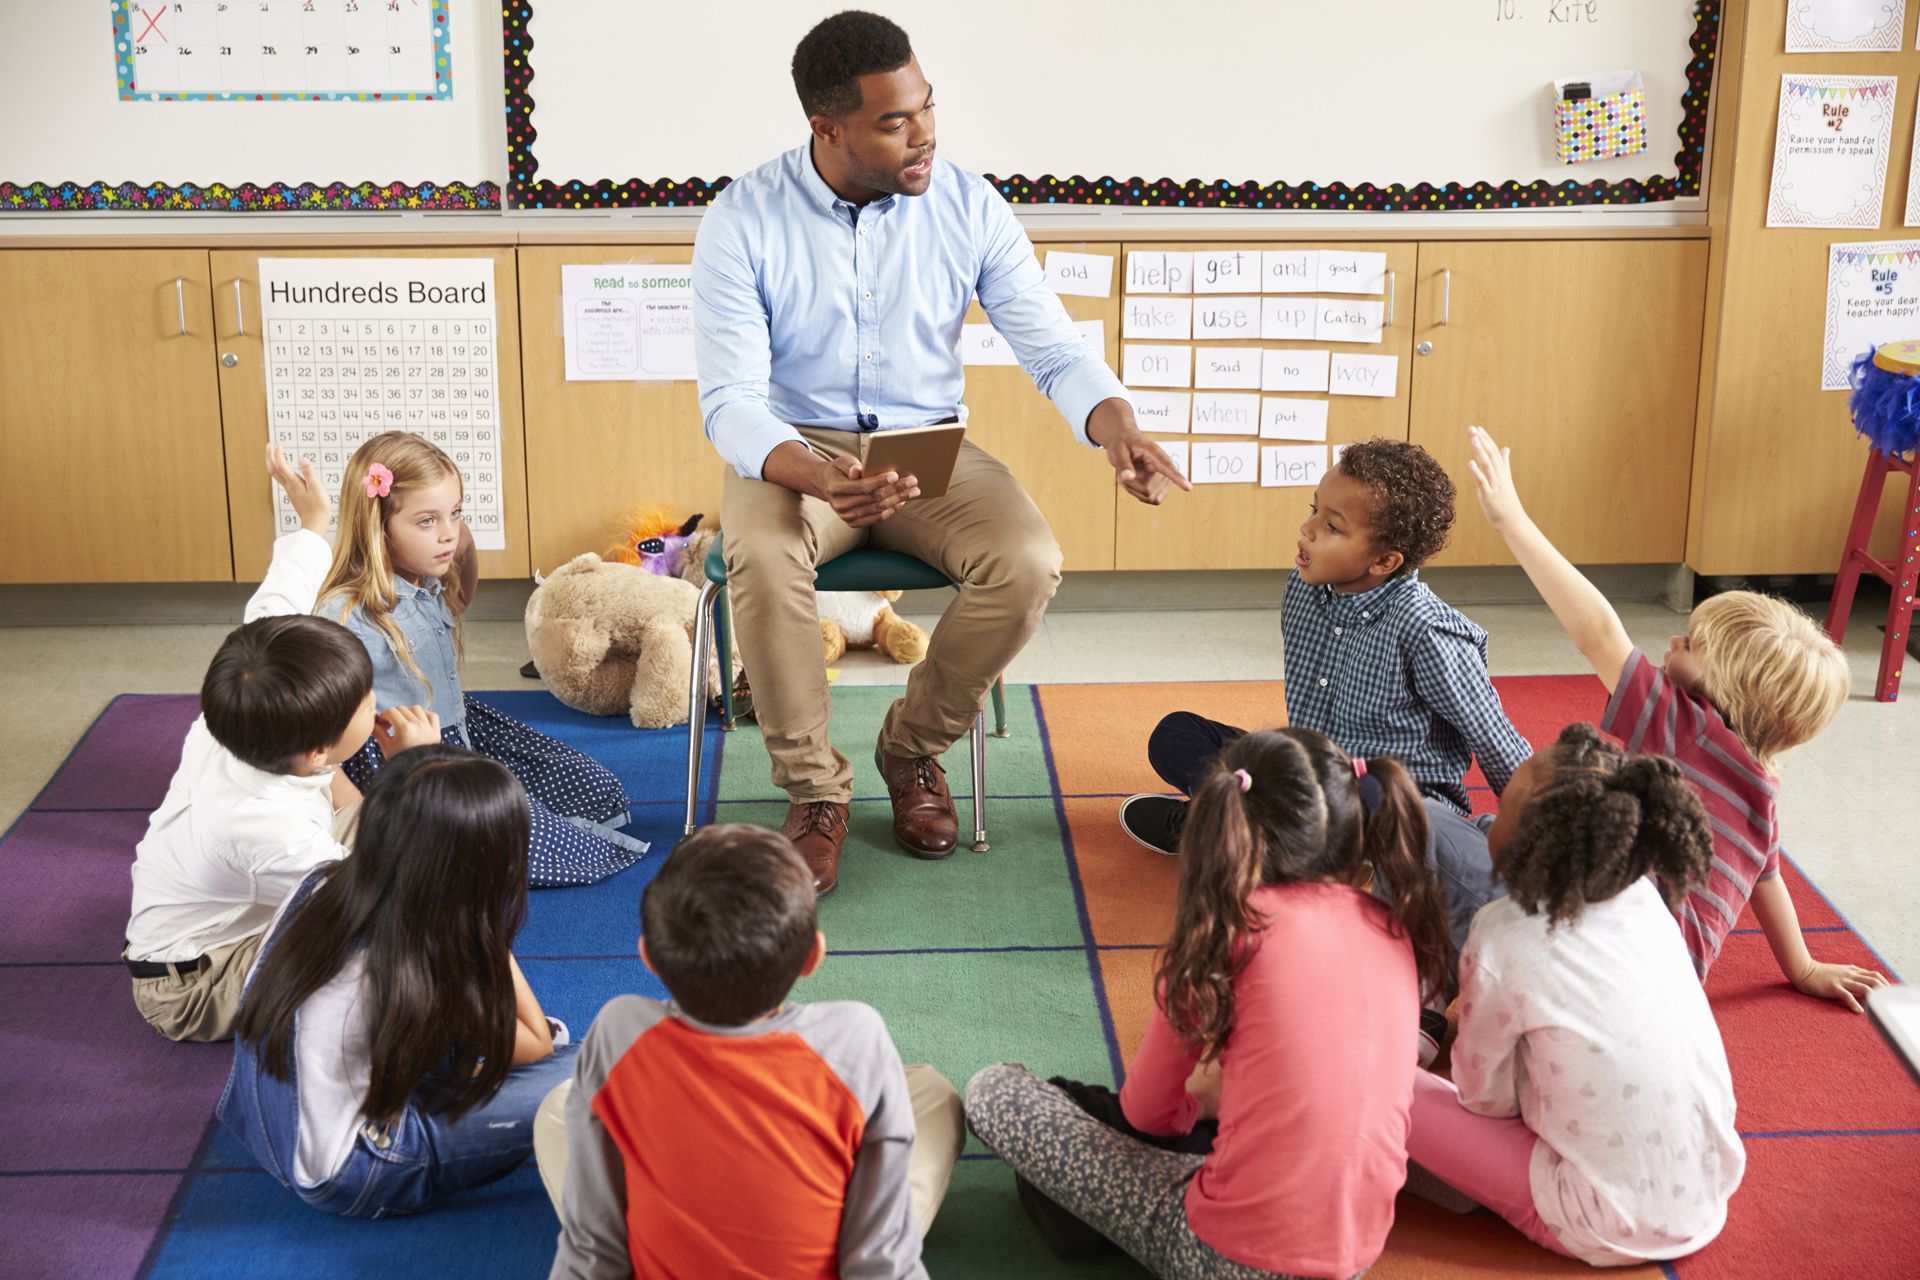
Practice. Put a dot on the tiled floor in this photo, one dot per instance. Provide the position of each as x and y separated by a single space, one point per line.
1847 807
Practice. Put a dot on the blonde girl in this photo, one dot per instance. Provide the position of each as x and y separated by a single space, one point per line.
404 571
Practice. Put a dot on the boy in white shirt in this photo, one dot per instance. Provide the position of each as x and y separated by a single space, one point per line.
256 802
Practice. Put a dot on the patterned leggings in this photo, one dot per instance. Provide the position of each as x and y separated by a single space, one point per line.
577 805
1131 1193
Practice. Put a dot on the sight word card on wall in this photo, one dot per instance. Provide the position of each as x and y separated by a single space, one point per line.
275 50
357 346
628 322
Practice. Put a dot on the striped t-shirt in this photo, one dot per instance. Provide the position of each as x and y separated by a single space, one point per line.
1653 716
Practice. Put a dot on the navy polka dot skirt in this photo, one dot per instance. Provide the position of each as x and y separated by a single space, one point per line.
578 806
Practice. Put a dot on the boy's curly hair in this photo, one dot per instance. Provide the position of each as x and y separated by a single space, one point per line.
1596 821
1410 497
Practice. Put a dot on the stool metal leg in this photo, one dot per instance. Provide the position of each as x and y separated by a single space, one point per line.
697 700
723 647
1000 708
979 747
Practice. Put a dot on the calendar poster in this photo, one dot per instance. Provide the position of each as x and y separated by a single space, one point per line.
357 346
280 50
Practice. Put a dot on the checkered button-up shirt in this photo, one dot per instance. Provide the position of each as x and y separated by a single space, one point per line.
1396 671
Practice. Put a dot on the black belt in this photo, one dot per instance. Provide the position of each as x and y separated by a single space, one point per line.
166 969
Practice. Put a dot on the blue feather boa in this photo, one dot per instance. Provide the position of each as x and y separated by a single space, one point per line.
1885 406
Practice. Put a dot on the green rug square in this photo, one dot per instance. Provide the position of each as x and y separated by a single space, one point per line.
982 1233
1018 893
1016 765
961 1012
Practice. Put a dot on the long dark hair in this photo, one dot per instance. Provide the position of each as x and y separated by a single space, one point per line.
1300 819
435 890
1597 820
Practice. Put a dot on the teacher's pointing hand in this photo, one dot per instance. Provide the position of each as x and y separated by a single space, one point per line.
1141 466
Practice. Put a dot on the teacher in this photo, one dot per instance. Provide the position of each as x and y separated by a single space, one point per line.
829 289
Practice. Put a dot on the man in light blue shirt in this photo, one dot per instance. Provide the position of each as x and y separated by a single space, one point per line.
830 285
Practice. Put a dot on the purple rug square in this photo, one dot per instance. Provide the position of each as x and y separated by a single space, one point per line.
73 868
80 1228
127 757
89 1084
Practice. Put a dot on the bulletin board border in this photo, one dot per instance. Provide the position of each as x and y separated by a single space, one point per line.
527 191
247 197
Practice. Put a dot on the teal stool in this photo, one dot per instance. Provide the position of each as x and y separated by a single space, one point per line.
863 570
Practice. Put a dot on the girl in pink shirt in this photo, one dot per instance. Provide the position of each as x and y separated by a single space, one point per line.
1287 1008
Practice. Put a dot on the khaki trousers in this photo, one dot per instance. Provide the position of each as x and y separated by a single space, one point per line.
205 1005
940 1129
984 533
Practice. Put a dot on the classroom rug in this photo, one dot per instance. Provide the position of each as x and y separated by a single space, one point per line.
1039 950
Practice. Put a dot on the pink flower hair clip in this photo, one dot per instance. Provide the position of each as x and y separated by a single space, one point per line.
379 481
1359 767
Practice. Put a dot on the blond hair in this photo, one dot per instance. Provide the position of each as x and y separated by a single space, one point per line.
362 571
1775 676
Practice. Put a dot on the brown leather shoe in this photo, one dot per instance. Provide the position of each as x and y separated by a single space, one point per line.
923 820
817 830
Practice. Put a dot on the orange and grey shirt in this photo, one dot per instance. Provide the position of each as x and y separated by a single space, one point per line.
774 1149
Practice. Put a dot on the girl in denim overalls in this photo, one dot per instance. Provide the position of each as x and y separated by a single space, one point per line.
389 1053
403 573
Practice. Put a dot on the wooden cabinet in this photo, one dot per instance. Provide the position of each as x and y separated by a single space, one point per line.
1246 526
1584 358
243 397
110 458
1008 417
596 448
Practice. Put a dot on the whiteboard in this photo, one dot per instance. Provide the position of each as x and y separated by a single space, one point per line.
66 121
1338 91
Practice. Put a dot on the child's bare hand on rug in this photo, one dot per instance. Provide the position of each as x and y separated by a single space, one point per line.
1847 983
398 729
1204 1085
303 490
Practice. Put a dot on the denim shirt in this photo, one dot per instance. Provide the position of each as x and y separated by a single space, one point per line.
424 618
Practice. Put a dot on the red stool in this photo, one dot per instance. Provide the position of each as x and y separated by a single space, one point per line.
1897 572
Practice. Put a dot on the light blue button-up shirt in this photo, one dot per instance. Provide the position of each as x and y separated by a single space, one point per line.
811 311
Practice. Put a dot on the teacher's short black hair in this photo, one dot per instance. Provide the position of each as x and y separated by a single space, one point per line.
831 58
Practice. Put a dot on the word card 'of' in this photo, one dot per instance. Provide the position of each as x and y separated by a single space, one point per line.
358 346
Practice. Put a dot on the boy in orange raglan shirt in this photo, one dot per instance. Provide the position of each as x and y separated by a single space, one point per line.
729 1132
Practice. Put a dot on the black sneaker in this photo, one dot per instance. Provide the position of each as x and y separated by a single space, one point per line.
1154 821
1069 1238
1433 1033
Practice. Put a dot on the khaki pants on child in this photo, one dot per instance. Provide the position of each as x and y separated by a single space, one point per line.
940 1129
205 1004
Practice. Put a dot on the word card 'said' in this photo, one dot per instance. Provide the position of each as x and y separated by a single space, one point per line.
358 346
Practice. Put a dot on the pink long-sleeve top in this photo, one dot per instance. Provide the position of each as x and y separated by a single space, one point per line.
1316 1084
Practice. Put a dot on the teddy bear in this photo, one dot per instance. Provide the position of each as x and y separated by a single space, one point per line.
848 619
610 637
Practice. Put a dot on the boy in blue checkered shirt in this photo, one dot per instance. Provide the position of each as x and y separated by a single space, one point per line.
1375 661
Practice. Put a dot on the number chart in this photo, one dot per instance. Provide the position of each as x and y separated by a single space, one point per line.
358 346
280 50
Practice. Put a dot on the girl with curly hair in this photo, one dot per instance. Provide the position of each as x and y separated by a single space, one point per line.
1590 1104
1286 1010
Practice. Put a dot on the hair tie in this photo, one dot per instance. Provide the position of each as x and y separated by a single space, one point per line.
1246 779
1359 767
379 481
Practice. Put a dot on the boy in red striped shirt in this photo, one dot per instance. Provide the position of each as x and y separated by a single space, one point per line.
1751 678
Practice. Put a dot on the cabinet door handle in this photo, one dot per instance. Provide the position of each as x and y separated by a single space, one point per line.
1393 288
1446 295
180 300
239 308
